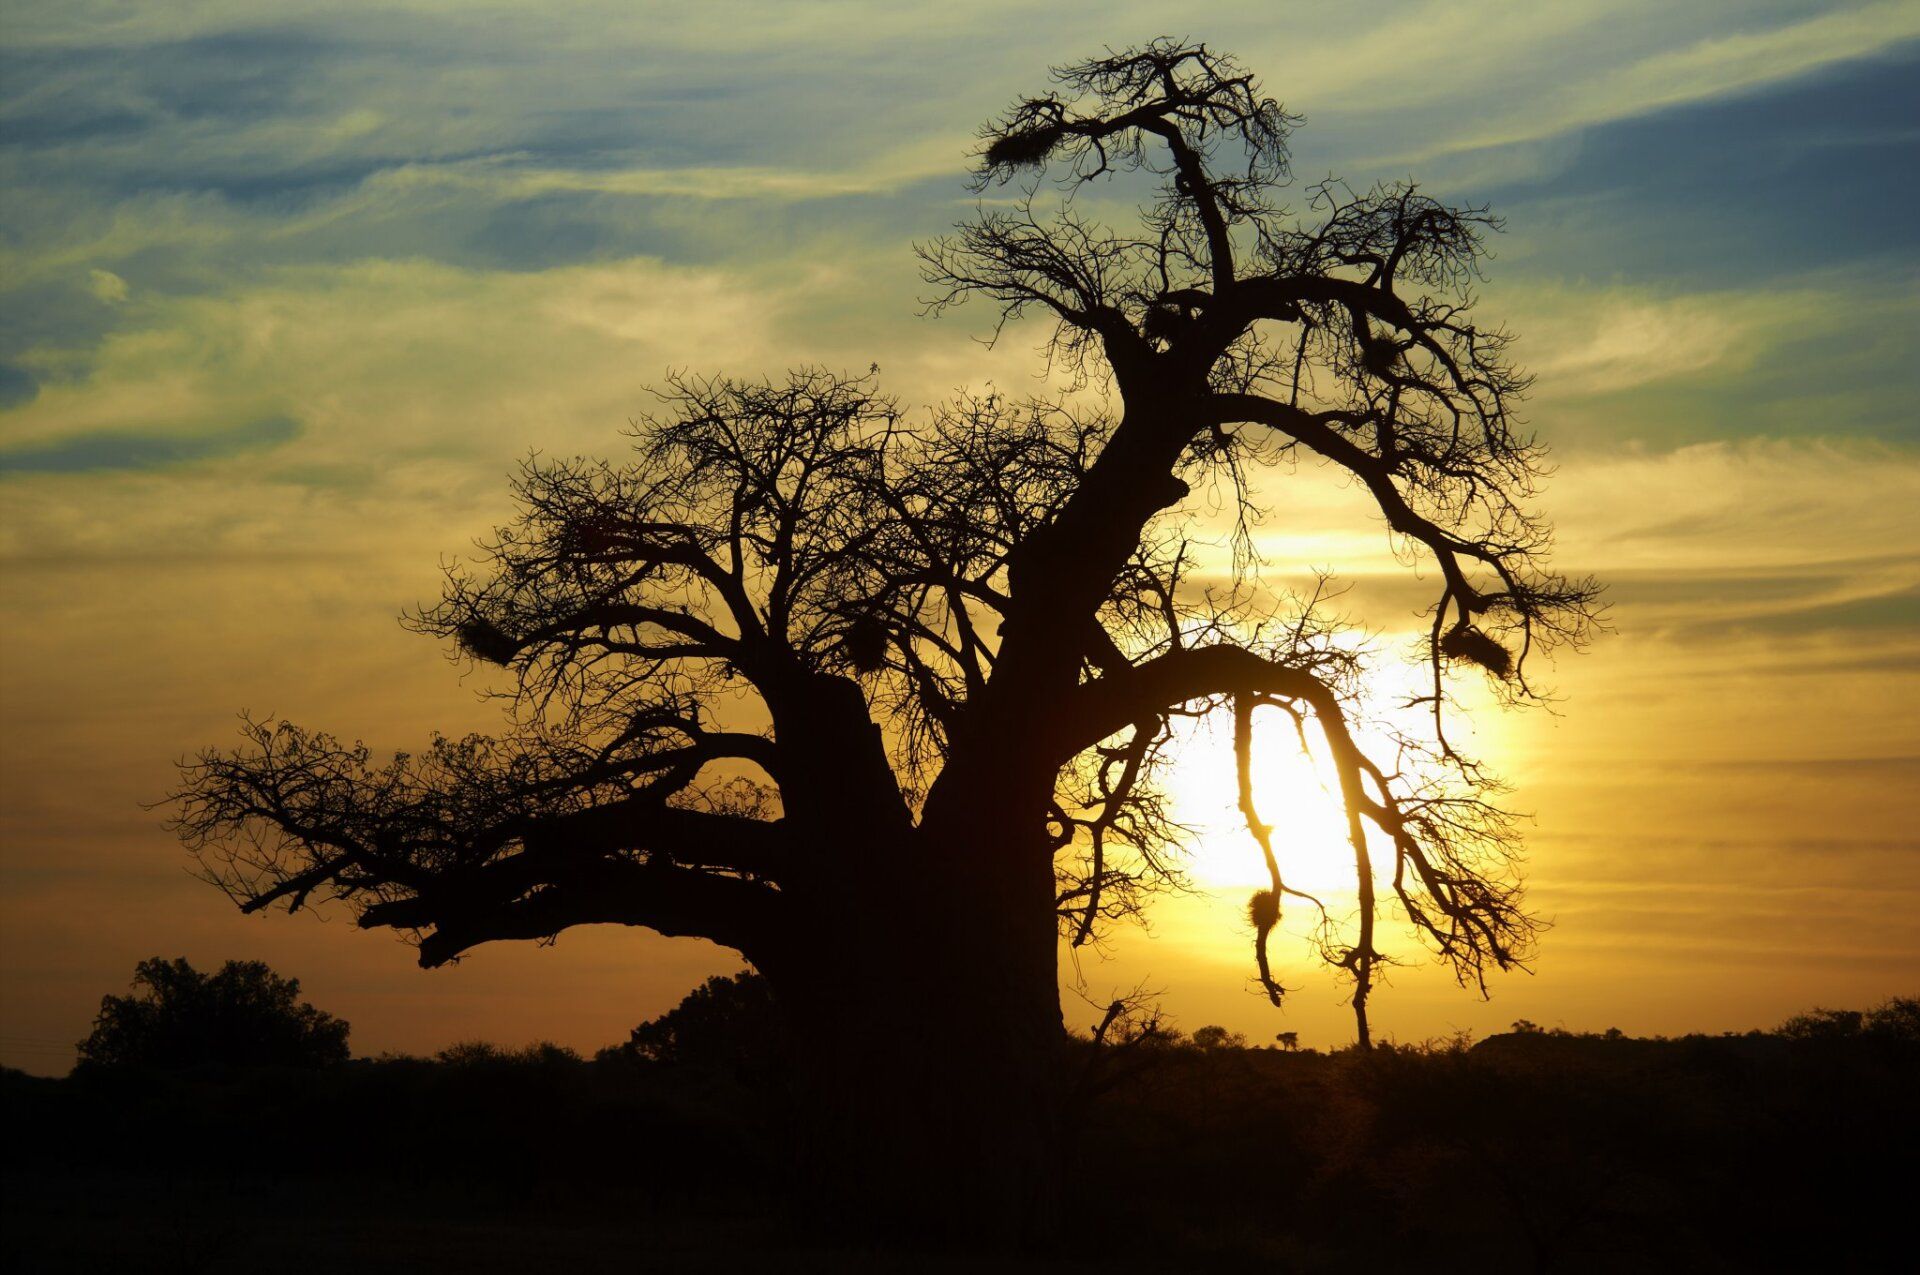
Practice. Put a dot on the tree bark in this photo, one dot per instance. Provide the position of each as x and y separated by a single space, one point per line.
928 1051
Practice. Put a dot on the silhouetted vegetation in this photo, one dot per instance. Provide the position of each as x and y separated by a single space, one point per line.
1898 1019
1533 1150
728 1026
242 1015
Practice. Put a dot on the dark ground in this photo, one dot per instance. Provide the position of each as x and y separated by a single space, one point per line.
1531 1151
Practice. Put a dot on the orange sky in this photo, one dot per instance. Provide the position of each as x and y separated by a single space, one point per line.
250 400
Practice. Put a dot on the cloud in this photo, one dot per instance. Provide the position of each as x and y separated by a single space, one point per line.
419 386
1815 354
1783 508
107 286
182 150
765 100
1742 564
1763 504
1616 339
1727 64
17 386
1715 66
125 449
509 177
1804 176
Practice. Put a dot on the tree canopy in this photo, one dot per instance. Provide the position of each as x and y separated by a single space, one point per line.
728 1023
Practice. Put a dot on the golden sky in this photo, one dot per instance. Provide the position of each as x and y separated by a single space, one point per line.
285 299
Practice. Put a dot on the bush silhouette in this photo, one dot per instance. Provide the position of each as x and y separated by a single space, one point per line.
1896 1019
727 1025
1214 1036
243 1015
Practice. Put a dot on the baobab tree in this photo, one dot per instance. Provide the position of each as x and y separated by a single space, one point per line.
879 699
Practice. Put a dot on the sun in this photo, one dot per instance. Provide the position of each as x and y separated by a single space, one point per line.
1295 791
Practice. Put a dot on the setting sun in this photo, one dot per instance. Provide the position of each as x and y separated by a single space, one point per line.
1293 791
1296 789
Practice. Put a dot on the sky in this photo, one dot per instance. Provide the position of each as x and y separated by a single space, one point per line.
284 298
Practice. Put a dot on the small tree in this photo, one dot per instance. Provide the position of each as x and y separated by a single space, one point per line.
880 702
242 1015
725 1024
1215 1037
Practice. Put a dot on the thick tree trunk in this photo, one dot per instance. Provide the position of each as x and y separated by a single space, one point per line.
927 1021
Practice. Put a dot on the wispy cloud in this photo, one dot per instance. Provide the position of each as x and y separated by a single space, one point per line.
1585 341
126 449
1710 67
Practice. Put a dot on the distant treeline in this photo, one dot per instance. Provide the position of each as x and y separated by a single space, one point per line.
1531 1150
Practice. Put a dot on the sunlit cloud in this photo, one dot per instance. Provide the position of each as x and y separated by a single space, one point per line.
1771 504
1597 342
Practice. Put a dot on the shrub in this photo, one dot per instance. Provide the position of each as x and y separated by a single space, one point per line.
243 1015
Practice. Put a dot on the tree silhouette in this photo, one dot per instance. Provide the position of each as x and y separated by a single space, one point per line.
1214 1036
879 700
725 1024
242 1015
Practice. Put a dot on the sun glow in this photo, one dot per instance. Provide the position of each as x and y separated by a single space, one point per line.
1294 790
